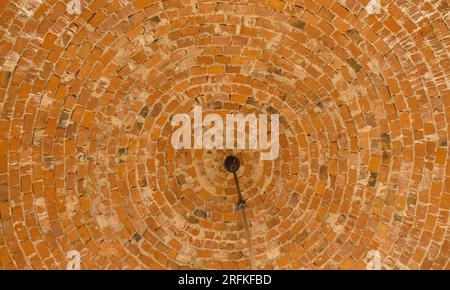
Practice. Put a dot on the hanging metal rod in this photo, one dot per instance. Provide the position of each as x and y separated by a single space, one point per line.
232 164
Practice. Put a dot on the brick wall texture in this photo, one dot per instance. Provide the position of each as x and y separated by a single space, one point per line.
86 162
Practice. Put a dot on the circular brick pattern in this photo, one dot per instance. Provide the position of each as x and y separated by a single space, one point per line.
86 162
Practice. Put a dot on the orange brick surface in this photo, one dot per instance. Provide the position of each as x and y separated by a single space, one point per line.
86 162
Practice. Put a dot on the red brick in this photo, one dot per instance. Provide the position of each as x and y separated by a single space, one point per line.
86 155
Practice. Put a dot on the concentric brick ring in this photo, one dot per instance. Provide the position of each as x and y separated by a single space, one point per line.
87 164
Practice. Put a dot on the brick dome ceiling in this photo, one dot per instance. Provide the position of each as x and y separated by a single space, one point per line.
86 162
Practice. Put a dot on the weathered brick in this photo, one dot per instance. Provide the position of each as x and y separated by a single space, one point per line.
85 134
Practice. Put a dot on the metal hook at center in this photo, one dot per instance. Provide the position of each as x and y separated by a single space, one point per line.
232 164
